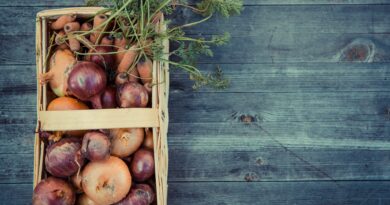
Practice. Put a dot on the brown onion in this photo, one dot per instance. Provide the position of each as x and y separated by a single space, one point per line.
142 166
106 181
140 194
60 65
132 94
96 146
125 142
86 81
63 158
52 191
68 103
106 61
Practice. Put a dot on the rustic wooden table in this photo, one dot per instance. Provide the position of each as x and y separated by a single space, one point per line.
305 121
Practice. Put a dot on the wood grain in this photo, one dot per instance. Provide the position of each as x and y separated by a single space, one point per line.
246 2
268 193
253 21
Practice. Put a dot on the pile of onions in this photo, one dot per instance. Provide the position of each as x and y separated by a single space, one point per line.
53 191
96 146
140 194
86 81
63 158
142 165
106 181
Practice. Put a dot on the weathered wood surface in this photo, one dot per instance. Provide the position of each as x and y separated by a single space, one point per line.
56 3
354 36
267 193
305 121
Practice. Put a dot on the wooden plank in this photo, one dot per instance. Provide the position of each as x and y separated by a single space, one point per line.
240 152
284 48
246 2
16 168
302 193
268 193
281 107
289 19
226 107
293 77
296 77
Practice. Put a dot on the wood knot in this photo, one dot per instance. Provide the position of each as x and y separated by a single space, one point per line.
259 161
359 50
247 119
251 176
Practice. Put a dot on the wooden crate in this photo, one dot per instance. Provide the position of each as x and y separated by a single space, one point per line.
155 117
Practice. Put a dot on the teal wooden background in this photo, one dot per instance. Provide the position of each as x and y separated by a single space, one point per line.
305 121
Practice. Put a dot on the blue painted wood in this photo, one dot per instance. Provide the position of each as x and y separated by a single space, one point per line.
305 121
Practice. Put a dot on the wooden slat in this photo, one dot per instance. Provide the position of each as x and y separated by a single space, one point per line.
284 48
289 19
296 77
246 2
228 107
268 193
98 119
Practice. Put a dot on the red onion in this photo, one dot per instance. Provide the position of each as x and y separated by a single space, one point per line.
105 61
108 98
132 94
86 81
96 146
63 158
53 191
140 194
142 166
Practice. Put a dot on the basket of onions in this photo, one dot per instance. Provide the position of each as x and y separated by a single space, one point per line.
102 108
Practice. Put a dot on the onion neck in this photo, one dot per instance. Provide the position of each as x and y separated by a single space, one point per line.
96 101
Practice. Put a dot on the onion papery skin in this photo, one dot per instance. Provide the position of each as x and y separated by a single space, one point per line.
95 146
142 165
63 158
86 81
53 191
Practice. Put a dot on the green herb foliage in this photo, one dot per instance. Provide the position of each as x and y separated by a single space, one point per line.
135 20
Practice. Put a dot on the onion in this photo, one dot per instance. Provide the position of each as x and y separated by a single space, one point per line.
96 146
132 94
125 142
106 61
140 194
63 158
84 200
52 191
86 81
108 97
148 141
68 103
142 166
106 181
61 64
